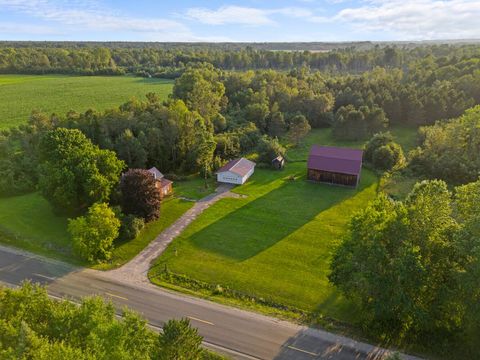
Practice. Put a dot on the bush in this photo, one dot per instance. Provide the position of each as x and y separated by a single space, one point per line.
387 156
131 227
377 141
382 152
268 149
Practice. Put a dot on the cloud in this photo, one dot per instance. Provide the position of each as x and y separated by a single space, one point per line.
87 15
230 15
16 28
416 19
243 15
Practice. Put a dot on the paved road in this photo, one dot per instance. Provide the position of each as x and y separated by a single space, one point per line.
241 334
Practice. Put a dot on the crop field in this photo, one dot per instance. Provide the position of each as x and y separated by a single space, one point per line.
276 242
20 94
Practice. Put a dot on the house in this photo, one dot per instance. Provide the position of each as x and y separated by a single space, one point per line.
164 185
278 163
339 166
236 171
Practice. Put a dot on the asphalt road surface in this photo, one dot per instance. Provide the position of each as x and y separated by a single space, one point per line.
237 333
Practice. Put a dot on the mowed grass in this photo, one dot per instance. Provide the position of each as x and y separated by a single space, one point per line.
193 187
171 210
28 222
277 242
405 136
20 94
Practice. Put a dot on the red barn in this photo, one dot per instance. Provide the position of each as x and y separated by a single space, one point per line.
332 165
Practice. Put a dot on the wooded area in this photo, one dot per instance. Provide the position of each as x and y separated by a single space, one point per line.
255 102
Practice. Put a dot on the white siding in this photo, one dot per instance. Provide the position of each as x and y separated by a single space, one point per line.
229 177
245 178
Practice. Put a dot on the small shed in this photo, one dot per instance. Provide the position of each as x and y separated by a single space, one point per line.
333 165
164 185
236 171
278 163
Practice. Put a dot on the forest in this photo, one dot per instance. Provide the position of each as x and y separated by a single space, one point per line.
256 102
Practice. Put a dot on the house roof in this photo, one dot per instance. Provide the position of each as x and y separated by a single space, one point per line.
240 166
156 173
165 182
333 159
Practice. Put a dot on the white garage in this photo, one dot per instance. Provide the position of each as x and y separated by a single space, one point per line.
236 171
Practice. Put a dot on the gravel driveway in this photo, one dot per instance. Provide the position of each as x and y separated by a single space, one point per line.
136 269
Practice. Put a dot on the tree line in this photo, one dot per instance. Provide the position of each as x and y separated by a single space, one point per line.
36 327
170 61
412 265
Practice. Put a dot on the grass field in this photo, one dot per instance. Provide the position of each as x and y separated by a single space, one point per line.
194 187
276 243
20 94
28 222
171 210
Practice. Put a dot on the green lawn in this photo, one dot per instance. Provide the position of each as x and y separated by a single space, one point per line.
27 222
277 242
405 136
20 94
171 210
194 187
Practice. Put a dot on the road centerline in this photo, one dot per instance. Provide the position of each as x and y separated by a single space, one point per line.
117 296
200 320
301 350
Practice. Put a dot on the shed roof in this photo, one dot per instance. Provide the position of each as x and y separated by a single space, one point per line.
334 159
156 173
239 166
279 158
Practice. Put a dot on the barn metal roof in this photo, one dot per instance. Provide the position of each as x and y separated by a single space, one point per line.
335 159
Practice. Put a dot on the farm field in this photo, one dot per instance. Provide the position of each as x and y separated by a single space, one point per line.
275 243
28 222
59 94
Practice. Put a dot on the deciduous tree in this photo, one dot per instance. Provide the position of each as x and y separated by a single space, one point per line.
74 173
140 196
94 233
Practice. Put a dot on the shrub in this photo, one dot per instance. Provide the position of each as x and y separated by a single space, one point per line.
382 152
268 149
131 227
387 156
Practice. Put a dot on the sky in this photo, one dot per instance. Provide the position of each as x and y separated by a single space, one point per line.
240 21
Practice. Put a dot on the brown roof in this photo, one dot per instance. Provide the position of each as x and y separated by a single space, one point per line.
165 182
156 173
333 159
240 166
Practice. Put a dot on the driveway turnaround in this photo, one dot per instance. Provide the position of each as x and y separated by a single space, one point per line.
239 334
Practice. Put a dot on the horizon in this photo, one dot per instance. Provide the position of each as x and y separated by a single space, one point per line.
251 21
